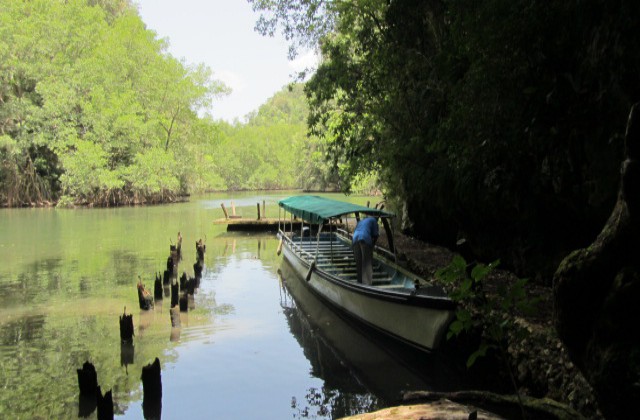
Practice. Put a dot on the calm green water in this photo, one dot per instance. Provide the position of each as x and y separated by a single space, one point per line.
254 345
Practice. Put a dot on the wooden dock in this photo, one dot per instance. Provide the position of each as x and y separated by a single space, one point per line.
266 224
241 223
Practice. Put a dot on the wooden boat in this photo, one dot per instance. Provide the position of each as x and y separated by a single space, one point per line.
398 302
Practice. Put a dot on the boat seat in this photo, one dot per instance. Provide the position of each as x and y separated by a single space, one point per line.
381 281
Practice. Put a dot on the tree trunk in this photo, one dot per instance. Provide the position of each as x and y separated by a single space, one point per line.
597 290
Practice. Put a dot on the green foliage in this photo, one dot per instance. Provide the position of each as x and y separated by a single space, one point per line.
502 119
271 150
96 109
492 314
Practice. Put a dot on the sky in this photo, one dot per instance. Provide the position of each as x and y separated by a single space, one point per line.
220 34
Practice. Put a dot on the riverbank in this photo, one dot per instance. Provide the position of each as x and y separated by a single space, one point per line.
539 362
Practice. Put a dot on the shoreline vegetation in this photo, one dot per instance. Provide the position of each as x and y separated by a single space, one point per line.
178 198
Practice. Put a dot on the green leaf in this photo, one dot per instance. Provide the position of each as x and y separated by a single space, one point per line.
481 352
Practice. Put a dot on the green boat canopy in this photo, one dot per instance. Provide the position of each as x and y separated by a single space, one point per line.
314 209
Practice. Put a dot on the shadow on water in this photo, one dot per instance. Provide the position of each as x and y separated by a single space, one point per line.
362 369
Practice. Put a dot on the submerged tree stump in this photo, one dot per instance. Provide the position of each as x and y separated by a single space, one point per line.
170 267
157 287
152 390
184 302
197 269
174 313
87 379
104 405
175 294
144 297
183 281
201 248
597 290
126 327
152 380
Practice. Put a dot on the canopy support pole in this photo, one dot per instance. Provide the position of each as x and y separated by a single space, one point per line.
387 229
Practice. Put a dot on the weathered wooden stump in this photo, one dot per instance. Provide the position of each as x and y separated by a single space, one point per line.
597 290
174 313
126 327
183 281
170 264
104 405
175 294
184 302
201 248
144 296
87 379
87 405
190 286
152 390
197 269
157 287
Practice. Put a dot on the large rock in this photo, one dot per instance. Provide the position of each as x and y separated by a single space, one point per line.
597 296
438 410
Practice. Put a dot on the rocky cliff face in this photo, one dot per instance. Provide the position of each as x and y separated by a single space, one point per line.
597 295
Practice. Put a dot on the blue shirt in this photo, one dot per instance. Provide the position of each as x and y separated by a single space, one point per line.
366 231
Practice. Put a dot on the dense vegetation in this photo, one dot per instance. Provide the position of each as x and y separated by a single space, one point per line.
94 110
271 150
500 121
92 107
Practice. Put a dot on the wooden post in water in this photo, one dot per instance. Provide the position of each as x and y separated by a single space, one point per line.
88 384
105 405
174 314
126 327
87 379
224 210
258 205
264 210
233 209
152 390
157 287
175 290
183 303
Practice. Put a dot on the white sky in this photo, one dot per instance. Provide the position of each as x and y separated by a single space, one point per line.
220 34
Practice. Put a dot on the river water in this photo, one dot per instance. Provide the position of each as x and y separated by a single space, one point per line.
254 343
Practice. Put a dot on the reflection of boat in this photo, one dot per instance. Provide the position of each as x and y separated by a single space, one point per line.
398 302
348 356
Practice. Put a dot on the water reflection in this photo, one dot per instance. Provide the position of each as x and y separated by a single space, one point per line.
362 370
22 331
61 295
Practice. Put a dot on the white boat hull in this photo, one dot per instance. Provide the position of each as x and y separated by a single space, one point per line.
418 321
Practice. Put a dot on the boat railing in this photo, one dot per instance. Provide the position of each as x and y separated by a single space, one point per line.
296 247
344 233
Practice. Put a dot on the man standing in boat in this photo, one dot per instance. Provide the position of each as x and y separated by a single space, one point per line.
364 239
